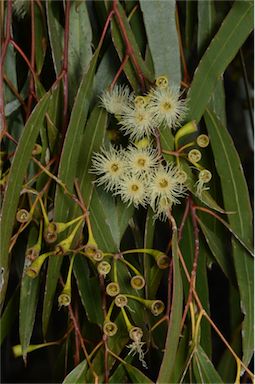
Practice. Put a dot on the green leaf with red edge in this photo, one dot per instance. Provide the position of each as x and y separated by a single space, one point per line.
16 176
56 33
236 199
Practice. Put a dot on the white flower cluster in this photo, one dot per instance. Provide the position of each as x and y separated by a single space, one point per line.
141 115
139 178
137 174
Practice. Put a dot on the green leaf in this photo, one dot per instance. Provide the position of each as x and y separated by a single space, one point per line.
207 25
91 142
9 315
121 49
67 171
29 293
203 368
56 33
160 26
218 249
89 290
234 30
187 245
76 376
40 38
135 375
15 180
236 199
79 46
114 215
173 334
205 197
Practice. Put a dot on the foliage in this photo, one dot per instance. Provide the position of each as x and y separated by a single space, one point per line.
100 289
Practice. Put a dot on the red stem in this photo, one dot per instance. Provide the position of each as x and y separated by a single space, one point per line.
119 71
3 123
184 218
129 48
195 262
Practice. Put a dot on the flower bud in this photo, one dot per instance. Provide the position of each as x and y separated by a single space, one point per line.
162 82
137 282
110 328
140 101
90 250
157 307
121 301
194 156
113 289
104 268
203 141
181 176
23 216
135 334
32 253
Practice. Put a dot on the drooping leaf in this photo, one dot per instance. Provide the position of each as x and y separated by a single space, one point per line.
9 315
76 376
56 34
79 46
236 199
89 290
160 25
173 334
203 368
67 173
15 180
29 294
233 32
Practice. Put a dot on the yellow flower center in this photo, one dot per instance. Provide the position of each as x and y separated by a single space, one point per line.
166 106
141 162
163 183
139 118
134 187
114 167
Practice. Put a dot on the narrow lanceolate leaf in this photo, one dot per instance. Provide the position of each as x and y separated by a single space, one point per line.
15 180
89 290
236 199
56 33
136 376
9 315
160 25
173 333
203 368
77 374
218 250
91 142
207 26
79 45
234 30
67 172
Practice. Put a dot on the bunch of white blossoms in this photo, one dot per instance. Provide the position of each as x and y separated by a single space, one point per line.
139 178
140 116
137 174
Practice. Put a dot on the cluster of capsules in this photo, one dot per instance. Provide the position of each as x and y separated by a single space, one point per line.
139 174
105 263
